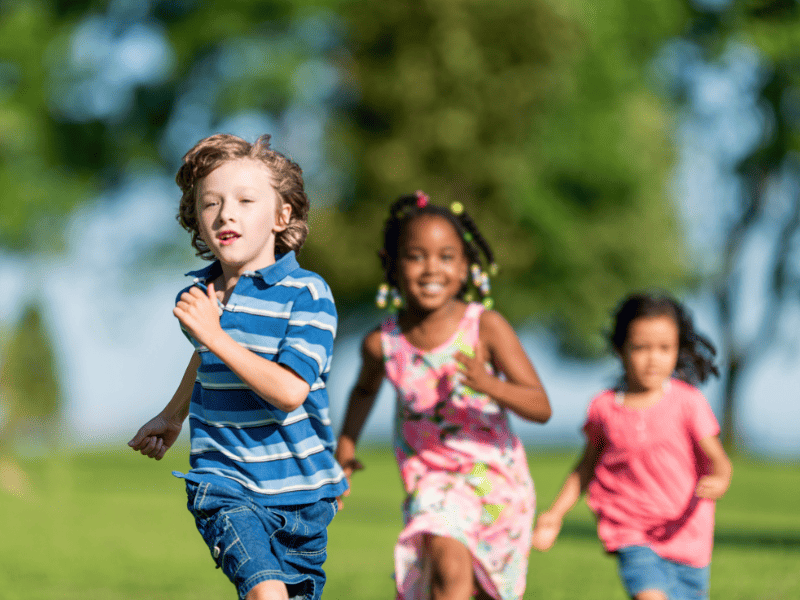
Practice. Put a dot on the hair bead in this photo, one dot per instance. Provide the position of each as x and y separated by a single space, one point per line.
397 299
383 293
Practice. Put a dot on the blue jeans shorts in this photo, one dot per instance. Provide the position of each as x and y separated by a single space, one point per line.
642 569
252 543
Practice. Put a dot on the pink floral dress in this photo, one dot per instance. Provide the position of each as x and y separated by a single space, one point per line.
465 473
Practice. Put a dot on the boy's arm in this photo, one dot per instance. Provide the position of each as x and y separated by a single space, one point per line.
715 484
522 392
548 525
156 436
277 384
360 402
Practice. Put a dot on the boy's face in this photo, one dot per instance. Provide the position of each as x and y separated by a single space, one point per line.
239 213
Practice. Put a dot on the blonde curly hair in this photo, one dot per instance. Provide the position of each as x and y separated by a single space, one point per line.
209 153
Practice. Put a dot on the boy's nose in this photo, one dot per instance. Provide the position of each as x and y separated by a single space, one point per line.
226 212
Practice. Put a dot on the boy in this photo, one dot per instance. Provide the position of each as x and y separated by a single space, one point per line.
263 481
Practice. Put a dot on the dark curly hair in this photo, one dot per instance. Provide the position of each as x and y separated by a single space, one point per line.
695 352
287 176
409 207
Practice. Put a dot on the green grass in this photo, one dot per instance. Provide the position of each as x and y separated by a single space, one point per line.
112 525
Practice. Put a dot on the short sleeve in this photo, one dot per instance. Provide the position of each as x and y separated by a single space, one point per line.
593 426
183 329
701 421
308 344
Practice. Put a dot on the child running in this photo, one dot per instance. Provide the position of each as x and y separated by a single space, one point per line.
263 481
458 369
653 463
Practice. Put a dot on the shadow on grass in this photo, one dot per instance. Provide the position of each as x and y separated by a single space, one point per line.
753 539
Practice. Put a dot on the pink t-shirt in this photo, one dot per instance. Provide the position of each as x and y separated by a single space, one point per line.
643 488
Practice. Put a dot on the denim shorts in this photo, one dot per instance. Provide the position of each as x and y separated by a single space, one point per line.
252 543
642 569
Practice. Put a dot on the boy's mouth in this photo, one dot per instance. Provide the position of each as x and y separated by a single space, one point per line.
227 237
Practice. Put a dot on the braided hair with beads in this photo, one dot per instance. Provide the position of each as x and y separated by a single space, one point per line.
477 250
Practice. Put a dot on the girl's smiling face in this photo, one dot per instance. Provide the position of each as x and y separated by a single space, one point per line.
650 352
239 213
432 266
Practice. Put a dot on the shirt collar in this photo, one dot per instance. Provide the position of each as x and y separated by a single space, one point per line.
283 265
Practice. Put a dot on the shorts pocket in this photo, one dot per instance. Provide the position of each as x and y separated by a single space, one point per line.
310 537
226 545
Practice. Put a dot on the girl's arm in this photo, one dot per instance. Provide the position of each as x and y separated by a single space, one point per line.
156 436
277 384
360 403
548 525
715 484
522 391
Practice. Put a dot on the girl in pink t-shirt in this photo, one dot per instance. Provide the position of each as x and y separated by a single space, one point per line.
653 464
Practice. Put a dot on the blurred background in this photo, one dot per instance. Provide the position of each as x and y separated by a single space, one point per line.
602 147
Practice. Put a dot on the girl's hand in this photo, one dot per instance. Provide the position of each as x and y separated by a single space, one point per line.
548 526
346 457
198 312
349 467
472 370
712 487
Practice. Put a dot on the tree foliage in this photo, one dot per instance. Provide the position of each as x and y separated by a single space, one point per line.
537 115
768 204
29 391
540 118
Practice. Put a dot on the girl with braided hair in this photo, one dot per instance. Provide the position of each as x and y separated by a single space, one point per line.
458 369
653 464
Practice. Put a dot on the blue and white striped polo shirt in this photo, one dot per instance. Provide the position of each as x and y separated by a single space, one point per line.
285 314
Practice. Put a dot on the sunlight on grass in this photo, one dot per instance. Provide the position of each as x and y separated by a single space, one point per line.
111 525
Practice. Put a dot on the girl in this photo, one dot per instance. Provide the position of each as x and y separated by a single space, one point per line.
458 369
653 463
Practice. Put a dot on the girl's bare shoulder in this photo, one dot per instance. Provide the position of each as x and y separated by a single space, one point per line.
372 347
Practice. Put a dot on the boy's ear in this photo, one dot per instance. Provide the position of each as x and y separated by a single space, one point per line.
283 217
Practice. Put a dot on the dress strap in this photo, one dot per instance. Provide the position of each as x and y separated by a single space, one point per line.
390 336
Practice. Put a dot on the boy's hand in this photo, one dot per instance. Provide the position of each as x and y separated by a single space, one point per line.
472 369
712 487
156 437
546 531
198 312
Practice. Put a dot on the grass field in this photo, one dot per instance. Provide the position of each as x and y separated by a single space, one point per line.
111 525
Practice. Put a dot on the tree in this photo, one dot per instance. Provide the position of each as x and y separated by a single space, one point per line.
541 119
767 202
92 92
31 395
